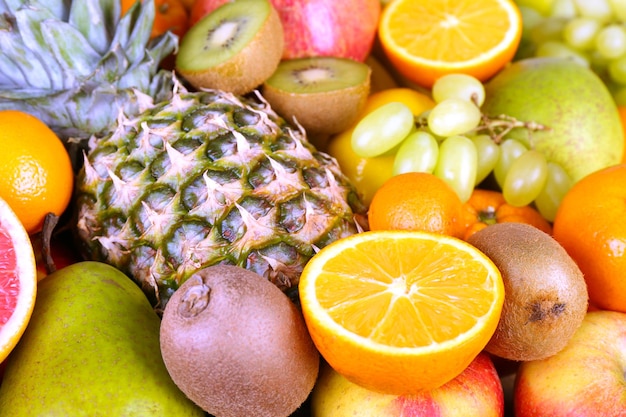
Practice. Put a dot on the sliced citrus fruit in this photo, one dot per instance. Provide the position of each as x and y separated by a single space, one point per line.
425 39
400 312
18 279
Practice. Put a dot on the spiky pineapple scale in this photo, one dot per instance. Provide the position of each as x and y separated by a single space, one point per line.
210 178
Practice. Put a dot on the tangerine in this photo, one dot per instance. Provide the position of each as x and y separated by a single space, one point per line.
417 201
486 207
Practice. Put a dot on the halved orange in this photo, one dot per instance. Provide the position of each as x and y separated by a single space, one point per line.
400 312
18 279
425 39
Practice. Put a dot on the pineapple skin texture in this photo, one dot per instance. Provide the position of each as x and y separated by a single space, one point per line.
210 178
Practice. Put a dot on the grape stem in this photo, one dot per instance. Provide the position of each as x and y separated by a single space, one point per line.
496 127
499 126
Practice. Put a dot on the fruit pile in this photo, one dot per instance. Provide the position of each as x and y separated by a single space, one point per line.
313 208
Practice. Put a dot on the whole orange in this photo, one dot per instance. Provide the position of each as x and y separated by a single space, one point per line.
591 225
36 176
169 15
416 201
188 4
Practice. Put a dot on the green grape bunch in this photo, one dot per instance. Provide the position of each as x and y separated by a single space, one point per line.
590 32
458 143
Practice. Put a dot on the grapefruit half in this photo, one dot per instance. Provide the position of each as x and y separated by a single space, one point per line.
18 279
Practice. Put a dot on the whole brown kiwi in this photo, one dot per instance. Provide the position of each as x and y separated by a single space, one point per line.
237 346
545 292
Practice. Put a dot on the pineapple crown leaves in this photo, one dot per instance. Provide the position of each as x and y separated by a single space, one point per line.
75 64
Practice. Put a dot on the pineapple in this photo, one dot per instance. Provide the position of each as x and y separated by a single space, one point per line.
210 178
74 64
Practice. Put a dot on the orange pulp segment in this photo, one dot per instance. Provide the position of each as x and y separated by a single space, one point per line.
400 312
425 39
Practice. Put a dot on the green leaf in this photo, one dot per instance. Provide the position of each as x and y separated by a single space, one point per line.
96 20
58 8
70 49
133 31
29 28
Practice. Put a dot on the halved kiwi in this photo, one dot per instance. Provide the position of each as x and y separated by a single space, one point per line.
323 94
234 48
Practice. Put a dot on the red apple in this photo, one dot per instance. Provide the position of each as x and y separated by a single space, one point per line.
585 379
476 392
200 8
345 28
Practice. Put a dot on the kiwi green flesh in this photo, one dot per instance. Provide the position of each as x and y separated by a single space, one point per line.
318 75
324 95
222 34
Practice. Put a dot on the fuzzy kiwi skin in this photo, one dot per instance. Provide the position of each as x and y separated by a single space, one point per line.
545 292
237 346
320 113
247 69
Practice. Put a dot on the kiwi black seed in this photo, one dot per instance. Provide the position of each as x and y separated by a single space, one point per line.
324 94
234 48
237 346
545 292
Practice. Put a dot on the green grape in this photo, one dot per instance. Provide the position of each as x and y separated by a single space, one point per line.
525 178
510 150
417 153
488 153
564 9
611 41
595 9
580 33
598 63
457 165
619 9
550 29
530 18
617 70
382 129
461 86
453 116
558 49
557 185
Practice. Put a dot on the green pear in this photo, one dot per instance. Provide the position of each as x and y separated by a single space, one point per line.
91 348
584 130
